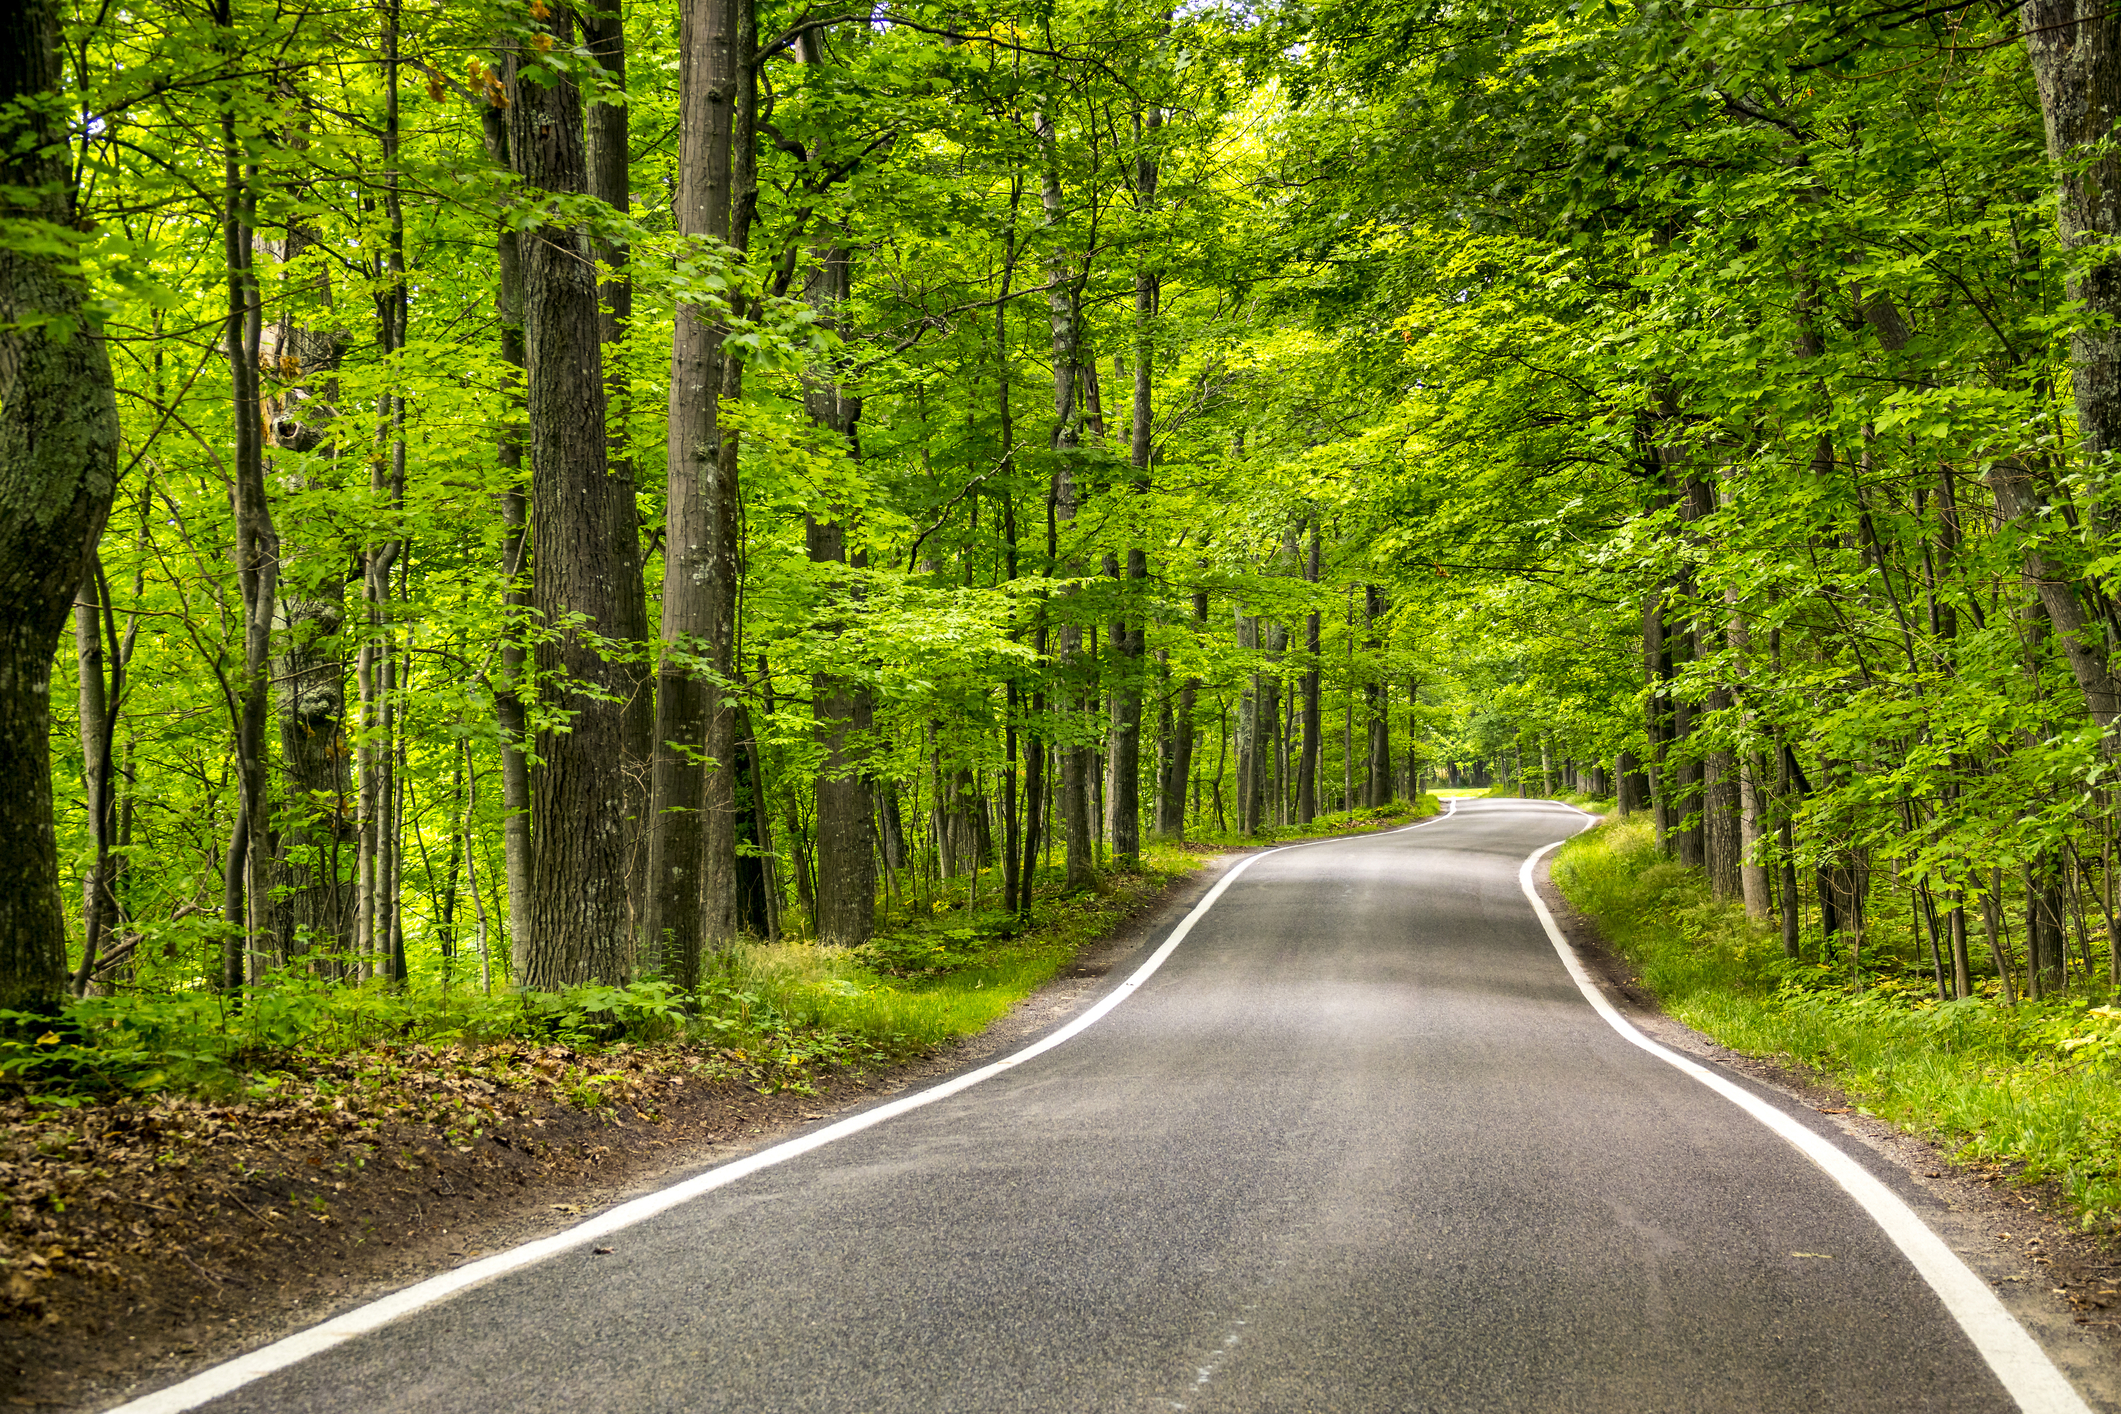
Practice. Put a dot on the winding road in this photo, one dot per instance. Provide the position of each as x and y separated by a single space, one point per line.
1360 1143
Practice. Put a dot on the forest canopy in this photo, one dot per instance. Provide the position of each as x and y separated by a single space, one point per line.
530 495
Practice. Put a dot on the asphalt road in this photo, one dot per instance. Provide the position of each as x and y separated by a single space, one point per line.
1360 1145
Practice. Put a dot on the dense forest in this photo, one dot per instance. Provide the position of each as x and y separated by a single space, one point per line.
519 495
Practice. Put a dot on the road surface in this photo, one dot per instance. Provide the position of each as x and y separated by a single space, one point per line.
1359 1145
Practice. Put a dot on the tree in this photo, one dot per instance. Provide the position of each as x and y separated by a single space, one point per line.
58 469
579 910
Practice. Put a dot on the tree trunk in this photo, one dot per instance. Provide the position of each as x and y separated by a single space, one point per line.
310 669
99 711
846 876
718 874
846 872
1379 789
1062 285
672 916
1184 736
1307 764
2075 49
1129 640
257 561
509 712
58 465
579 910
610 178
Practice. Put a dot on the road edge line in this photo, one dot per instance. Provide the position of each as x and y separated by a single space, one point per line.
231 1375
2019 1362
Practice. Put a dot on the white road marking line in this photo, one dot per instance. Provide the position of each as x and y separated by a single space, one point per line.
232 1375
2019 1362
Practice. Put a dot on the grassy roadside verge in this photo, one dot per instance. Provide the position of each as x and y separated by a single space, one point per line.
2030 1089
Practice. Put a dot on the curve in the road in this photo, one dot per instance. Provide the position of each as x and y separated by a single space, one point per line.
226 1378
1358 1147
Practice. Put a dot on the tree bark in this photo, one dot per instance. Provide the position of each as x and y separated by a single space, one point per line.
257 556
2075 49
610 177
99 702
846 876
302 362
718 868
58 467
846 872
578 906
1129 640
509 713
1185 736
707 85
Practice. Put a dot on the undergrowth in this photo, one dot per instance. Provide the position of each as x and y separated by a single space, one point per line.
774 1015
2030 1087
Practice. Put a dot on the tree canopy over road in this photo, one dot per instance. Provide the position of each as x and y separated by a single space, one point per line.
540 492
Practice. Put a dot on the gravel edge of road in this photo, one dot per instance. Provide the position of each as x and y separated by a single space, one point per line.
2009 1235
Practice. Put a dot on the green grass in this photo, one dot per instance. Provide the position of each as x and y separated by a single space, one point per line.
777 1014
2031 1088
919 985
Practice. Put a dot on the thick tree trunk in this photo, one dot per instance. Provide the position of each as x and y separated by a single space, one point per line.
509 712
58 464
2075 49
673 915
1657 676
1129 641
718 870
1128 650
1631 785
310 670
1722 833
257 567
1752 875
846 871
610 175
579 910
